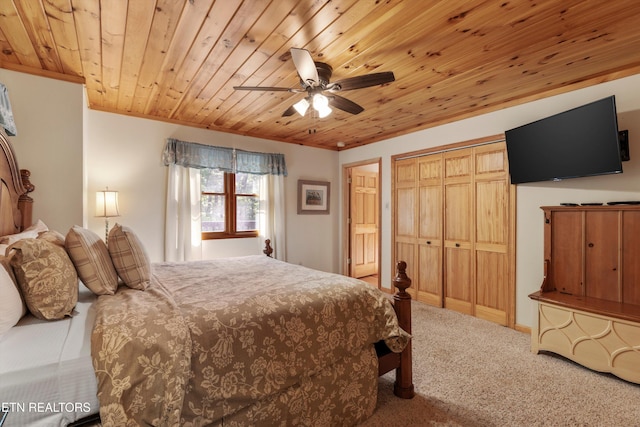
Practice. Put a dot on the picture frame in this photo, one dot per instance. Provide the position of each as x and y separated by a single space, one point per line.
313 197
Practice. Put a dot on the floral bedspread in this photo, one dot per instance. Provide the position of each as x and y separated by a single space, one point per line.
210 338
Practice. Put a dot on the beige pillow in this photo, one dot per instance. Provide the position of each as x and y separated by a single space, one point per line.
47 278
129 257
12 307
92 261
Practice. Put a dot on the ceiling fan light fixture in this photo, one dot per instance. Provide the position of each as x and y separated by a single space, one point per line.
302 106
320 101
321 105
323 112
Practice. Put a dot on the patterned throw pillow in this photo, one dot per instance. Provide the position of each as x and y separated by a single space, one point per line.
129 257
52 236
92 261
46 276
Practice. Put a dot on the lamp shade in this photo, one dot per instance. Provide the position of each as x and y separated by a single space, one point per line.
107 204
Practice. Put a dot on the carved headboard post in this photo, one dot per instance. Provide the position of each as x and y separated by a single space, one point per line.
25 202
16 206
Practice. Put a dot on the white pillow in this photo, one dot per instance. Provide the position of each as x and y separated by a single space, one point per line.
12 308
30 233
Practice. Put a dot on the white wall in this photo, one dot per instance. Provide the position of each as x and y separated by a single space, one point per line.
529 231
124 153
49 143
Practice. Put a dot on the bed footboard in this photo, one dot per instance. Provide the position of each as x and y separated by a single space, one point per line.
388 360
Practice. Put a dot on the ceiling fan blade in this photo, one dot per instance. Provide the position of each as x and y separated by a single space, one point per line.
344 104
289 112
360 82
305 66
266 88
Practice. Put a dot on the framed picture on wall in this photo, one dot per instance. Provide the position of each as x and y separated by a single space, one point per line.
313 197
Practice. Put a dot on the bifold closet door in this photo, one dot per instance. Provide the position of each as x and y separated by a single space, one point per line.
429 240
458 231
454 213
405 216
492 207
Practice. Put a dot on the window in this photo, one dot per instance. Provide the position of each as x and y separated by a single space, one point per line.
229 204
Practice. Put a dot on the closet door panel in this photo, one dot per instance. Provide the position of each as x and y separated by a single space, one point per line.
430 245
458 279
458 231
457 224
491 244
405 215
492 203
430 275
491 287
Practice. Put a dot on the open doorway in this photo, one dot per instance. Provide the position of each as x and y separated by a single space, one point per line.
361 237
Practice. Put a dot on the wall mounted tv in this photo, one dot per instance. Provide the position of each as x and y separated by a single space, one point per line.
579 142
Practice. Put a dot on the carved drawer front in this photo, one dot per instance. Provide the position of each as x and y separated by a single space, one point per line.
598 342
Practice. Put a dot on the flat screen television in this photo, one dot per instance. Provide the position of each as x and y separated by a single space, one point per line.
580 142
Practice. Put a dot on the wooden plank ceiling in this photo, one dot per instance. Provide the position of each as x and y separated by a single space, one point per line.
179 60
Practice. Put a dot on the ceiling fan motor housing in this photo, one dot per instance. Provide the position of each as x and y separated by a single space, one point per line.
324 73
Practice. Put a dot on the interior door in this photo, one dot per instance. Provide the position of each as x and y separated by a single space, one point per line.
364 222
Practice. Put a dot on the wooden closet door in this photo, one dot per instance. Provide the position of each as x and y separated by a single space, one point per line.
460 235
405 215
492 205
458 231
429 240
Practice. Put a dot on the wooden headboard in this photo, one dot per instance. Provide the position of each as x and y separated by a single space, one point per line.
15 204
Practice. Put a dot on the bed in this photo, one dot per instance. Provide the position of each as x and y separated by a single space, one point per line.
236 341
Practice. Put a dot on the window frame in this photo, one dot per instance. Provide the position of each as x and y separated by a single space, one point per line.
230 197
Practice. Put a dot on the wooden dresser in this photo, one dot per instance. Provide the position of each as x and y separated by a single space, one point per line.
589 302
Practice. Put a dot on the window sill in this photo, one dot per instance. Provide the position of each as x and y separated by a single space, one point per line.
217 236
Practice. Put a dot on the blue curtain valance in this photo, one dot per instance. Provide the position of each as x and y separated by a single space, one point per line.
199 156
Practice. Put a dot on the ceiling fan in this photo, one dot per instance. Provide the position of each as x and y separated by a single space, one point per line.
314 79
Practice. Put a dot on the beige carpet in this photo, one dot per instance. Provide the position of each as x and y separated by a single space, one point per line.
470 372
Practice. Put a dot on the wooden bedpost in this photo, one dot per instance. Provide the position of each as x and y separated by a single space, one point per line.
268 250
403 387
25 202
